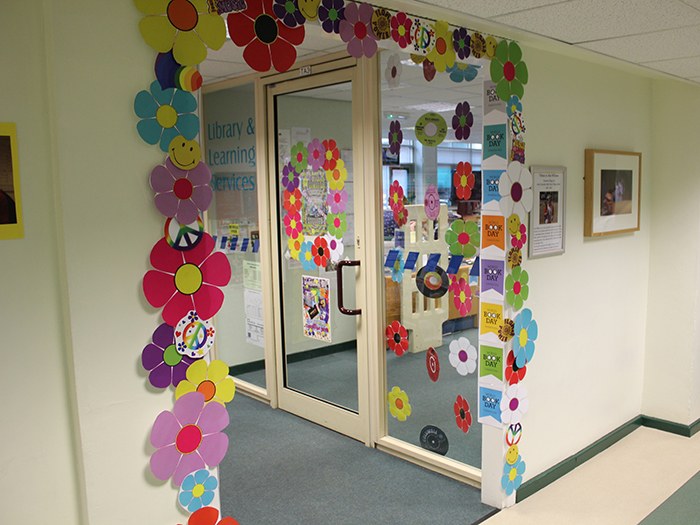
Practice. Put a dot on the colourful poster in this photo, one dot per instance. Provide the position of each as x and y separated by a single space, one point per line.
492 275
314 192
316 295
491 362
494 231
491 318
490 187
490 406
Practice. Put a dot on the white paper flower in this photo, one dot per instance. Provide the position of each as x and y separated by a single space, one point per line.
392 73
515 187
463 356
335 246
514 404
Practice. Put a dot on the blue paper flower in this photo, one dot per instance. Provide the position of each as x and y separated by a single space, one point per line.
524 337
165 114
197 490
513 475
306 258
462 72
514 105
397 269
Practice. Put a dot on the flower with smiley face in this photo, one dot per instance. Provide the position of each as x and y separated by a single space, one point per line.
184 154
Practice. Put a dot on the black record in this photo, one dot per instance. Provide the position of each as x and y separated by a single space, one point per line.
432 284
434 439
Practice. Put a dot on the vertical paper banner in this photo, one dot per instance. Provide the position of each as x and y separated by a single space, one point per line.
490 406
316 296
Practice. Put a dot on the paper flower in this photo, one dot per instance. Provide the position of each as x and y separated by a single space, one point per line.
401 29
463 356
395 137
267 41
462 237
179 193
429 70
514 105
186 27
335 247
397 338
188 438
293 225
515 258
209 516
477 45
514 373
514 404
292 200
400 215
332 155
491 44
300 157
337 224
463 180
294 246
381 23
186 280
508 70
320 252
306 258
160 358
460 42
288 12
432 202
337 200
398 268
443 52
356 32
211 380
197 490
515 187
316 154
432 364
462 121
395 195
330 13
309 8
290 178
524 338
513 476
463 416
336 176
506 330
462 296
194 337
392 72
517 289
165 114
399 406
462 72
520 238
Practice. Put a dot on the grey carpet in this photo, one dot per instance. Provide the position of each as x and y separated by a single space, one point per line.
681 508
281 469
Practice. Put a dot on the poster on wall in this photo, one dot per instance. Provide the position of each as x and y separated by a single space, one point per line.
314 191
546 236
10 204
316 294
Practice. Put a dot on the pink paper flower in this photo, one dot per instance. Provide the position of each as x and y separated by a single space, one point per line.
317 154
337 200
462 294
186 280
188 438
356 30
293 225
182 194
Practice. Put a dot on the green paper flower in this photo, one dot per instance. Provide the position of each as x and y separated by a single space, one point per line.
463 238
337 224
300 157
517 289
508 70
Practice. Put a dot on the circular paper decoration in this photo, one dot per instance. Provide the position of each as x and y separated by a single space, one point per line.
432 283
381 23
431 129
193 336
397 338
432 363
187 78
183 237
512 454
432 202
434 439
184 154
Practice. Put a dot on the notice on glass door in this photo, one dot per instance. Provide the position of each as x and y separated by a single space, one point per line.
316 295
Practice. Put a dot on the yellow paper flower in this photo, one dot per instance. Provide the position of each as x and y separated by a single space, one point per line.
211 380
336 177
442 55
185 26
399 406
294 246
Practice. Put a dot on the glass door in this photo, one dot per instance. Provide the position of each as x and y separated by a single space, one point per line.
315 179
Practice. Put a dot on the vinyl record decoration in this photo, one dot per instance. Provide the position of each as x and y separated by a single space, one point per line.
432 283
432 438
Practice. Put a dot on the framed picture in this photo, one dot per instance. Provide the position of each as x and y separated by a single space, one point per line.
547 219
612 184
10 201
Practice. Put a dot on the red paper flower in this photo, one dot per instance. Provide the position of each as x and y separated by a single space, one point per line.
395 195
209 516
462 415
401 29
400 215
520 238
432 363
397 338
186 280
320 252
332 154
292 200
267 41
513 373
463 180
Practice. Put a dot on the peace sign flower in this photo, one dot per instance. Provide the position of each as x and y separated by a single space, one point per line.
463 180
524 338
462 121
515 188
397 338
461 41
182 194
212 380
395 137
517 289
442 55
401 29
508 70
462 238
463 416
356 31
399 406
161 359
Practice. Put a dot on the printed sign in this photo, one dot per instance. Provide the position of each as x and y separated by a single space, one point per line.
492 275
490 187
490 406
493 231
491 318
495 142
491 362
316 292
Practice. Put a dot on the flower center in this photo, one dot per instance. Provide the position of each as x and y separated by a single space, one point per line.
320 251
360 30
463 238
289 7
441 45
300 157
522 337
462 296
266 29
399 404
463 356
188 279
336 197
513 405
516 287
207 389
463 181
336 222
461 43
462 120
509 71
462 415
171 357
516 192
198 490
183 15
333 14
397 338
512 474
401 31
182 189
166 116
393 72
188 439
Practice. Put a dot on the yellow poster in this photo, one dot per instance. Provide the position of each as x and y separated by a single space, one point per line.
491 318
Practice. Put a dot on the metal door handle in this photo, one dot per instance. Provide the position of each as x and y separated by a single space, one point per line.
339 273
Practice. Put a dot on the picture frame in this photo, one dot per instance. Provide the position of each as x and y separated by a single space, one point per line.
547 229
612 192
11 224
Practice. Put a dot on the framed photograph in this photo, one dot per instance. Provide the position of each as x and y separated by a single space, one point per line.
10 202
547 218
612 184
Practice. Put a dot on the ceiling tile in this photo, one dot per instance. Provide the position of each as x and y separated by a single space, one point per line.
681 67
229 52
587 20
693 3
492 8
215 68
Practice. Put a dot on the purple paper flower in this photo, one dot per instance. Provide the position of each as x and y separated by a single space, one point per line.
316 154
462 121
161 359
337 200
188 438
356 30
290 178
461 41
288 12
330 13
395 137
180 193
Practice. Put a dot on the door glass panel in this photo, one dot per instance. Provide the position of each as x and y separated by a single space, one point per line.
431 306
315 201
